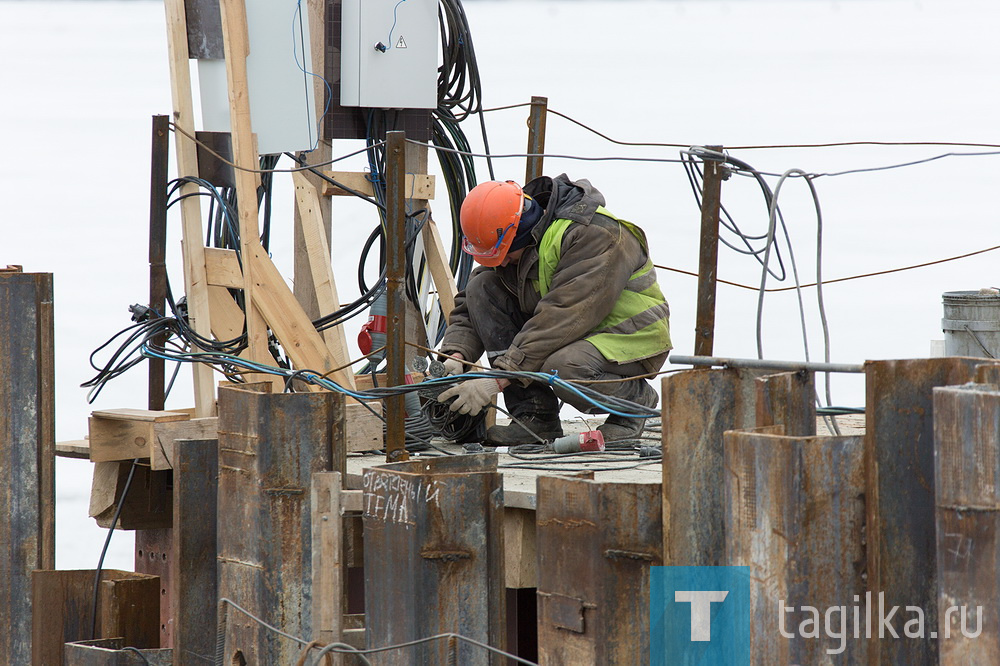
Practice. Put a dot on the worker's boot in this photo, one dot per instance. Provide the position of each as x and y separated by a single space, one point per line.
536 410
616 428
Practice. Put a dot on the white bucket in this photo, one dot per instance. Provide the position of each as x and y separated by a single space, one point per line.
971 324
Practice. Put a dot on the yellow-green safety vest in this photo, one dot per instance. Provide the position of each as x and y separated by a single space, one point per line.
638 325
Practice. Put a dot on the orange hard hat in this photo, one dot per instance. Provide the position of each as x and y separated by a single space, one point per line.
490 215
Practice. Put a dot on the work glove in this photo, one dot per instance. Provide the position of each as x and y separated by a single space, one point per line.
453 366
471 395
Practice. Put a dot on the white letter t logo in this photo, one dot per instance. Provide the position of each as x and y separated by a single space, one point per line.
701 605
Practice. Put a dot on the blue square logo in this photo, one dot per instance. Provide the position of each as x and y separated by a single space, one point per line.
699 615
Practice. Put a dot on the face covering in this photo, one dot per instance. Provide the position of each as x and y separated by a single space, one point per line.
529 218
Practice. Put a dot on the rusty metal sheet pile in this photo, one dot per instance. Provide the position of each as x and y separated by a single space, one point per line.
899 470
596 543
788 399
698 406
27 449
795 516
967 478
269 447
434 558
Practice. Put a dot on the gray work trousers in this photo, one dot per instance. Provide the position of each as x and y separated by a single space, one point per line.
497 317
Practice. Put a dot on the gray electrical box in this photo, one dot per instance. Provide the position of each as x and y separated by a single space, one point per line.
389 54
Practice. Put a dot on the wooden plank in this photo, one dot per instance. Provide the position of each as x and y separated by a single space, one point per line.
195 280
62 603
365 431
77 448
227 318
318 255
437 262
418 186
222 268
193 584
237 47
520 548
167 435
126 434
147 505
328 570
27 451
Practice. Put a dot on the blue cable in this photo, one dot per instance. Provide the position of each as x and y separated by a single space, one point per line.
389 45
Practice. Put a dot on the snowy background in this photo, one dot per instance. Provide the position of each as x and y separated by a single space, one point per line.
80 81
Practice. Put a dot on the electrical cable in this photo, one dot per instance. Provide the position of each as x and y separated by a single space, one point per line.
104 550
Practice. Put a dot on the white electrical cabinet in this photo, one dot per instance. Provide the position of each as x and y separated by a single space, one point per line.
389 54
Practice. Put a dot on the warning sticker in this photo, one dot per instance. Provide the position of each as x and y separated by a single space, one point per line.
401 44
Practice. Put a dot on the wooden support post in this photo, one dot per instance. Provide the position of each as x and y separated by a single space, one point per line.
194 592
395 441
708 257
434 557
27 452
967 479
536 138
270 445
237 47
899 469
596 543
158 249
795 516
329 568
195 284
788 399
698 407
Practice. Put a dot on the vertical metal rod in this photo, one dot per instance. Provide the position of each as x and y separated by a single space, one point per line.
395 439
536 137
708 257
158 249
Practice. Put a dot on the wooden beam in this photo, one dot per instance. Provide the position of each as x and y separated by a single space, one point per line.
328 570
437 262
318 254
222 268
237 47
417 185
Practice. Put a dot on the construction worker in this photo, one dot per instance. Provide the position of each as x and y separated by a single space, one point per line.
563 287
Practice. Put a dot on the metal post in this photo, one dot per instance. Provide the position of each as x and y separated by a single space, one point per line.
698 406
27 452
967 478
795 516
596 544
194 586
899 469
536 137
270 445
708 257
788 399
395 337
434 558
158 249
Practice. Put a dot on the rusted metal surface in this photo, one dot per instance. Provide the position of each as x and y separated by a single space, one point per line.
27 452
698 406
788 399
596 543
112 652
193 587
899 470
158 248
708 255
967 479
395 336
128 608
269 447
434 557
795 515
536 138
153 556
